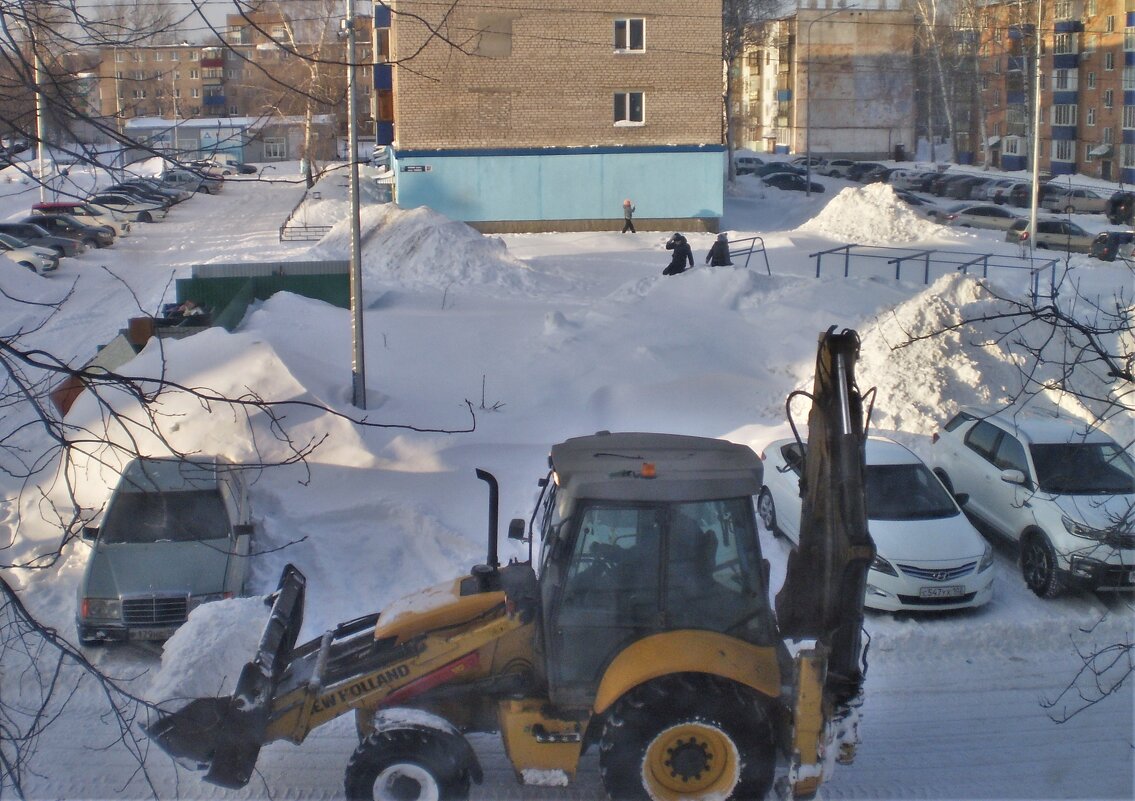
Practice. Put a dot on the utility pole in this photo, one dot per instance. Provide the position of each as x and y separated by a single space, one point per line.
358 366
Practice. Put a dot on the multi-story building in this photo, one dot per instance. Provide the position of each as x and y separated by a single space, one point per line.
1086 91
546 116
264 67
844 80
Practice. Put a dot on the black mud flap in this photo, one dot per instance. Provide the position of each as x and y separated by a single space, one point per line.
225 734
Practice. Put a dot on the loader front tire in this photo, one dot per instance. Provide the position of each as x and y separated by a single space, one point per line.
687 738
407 765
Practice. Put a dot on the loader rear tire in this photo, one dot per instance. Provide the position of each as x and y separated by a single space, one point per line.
687 738
407 765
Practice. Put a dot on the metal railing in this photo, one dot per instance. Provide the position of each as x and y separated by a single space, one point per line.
292 232
934 263
746 247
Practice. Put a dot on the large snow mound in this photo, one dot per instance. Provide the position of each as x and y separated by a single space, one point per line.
420 247
872 215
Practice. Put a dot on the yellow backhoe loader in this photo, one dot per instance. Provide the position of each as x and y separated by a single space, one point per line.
640 625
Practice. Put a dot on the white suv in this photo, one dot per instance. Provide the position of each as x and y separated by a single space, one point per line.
1063 491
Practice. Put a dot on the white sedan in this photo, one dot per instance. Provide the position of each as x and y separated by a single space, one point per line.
929 557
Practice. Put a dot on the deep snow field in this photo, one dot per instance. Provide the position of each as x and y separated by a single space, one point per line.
545 336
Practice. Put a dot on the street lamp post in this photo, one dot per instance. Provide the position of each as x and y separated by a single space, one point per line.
808 100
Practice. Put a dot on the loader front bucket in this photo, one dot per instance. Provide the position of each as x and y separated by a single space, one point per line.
225 734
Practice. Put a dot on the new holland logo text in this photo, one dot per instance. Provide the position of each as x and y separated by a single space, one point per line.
360 688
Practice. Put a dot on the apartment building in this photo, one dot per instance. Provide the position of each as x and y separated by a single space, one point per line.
263 67
1086 89
522 116
835 78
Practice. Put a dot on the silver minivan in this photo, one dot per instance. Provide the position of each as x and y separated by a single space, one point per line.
175 534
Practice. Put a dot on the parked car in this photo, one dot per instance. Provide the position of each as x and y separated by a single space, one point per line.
791 181
175 534
777 166
836 168
212 168
940 184
1112 245
961 188
975 215
38 260
1063 490
93 236
32 234
172 194
1054 234
995 190
1021 194
86 212
920 205
1120 208
206 185
860 168
1075 201
803 161
929 556
906 179
141 193
128 206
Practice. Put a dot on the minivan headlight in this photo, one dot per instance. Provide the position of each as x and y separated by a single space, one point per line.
110 608
1080 530
986 559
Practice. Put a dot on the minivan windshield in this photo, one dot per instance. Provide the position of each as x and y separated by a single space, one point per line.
165 516
1083 468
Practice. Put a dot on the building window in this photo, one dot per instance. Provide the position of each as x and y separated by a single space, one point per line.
629 108
630 35
135 56
232 74
119 56
1090 116
158 55
195 92
1128 152
1091 80
1060 80
193 55
233 111
1090 8
495 37
1109 60
1064 114
1108 98
1062 9
1128 79
1011 146
1063 44
275 147
194 75
175 56
1063 150
1107 136
1129 39
1129 117
1109 24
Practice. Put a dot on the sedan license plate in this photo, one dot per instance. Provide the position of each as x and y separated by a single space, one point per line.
163 633
952 591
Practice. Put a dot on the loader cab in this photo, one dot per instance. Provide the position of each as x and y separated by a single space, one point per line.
634 547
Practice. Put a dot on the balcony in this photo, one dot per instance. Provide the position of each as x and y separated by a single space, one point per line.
212 101
212 62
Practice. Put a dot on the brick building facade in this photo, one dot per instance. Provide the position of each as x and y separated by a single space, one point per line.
522 116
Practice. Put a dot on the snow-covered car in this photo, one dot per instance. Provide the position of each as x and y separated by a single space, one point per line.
929 556
85 212
1061 489
128 206
37 259
975 215
1053 234
175 534
746 165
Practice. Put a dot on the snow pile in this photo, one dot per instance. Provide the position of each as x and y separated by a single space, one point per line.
205 656
420 247
871 215
959 344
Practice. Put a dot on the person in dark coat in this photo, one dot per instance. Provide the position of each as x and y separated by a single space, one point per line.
718 255
682 254
628 213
